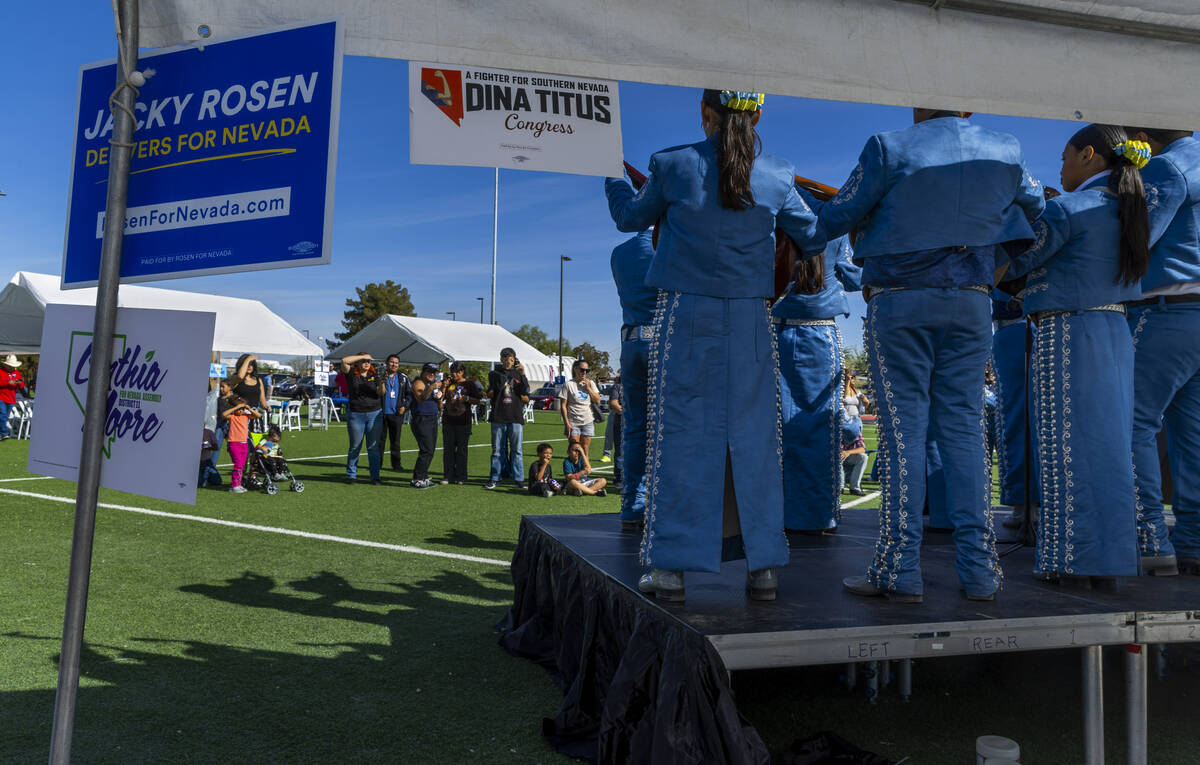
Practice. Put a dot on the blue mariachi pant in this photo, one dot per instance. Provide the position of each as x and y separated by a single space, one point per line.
506 452
635 355
928 348
713 401
1008 362
1166 384
1083 404
364 426
936 500
810 382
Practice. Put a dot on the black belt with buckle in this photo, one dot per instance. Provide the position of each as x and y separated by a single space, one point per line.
1163 300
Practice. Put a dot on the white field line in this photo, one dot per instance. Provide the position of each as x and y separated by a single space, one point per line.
858 501
31 478
268 529
363 454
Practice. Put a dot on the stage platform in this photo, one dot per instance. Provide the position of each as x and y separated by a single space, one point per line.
576 590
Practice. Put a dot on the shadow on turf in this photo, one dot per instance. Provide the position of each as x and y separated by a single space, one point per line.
467 540
163 700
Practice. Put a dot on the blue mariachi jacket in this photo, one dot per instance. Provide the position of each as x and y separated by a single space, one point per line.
1073 263
840 273
940 183
703 248
630 261
1172 181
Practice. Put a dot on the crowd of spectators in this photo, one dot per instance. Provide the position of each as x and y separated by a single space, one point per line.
380 399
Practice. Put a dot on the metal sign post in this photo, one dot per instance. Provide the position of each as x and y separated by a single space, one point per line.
121 104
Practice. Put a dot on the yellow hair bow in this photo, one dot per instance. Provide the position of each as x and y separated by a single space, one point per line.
742 101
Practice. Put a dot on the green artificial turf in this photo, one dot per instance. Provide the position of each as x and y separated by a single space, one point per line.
216 644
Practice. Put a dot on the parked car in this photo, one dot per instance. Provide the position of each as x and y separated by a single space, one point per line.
544 398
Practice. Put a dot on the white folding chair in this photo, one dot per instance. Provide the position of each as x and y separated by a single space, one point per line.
26 423
333 412
318 413
291 416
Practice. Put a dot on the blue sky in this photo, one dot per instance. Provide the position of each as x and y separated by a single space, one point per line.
429 228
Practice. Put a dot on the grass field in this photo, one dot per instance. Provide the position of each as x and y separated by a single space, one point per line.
224 644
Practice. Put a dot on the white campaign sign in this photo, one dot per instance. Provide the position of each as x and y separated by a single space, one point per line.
519 120
155 403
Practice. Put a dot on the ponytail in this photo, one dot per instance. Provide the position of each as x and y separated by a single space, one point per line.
808 275
1124 158
1126 183
737 146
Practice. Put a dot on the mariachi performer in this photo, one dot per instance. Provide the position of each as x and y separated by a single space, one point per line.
810 380
1013 435
933 203
1166 341
714 482
630 262
1087 261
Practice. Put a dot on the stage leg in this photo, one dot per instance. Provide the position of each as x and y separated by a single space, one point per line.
1135 703
850 676
904 679
1093 706
1160 660
885 673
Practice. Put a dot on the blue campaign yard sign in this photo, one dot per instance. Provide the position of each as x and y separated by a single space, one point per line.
233 163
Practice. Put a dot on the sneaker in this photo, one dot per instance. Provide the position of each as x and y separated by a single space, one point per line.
490 485
237 490
606 458
351 480
443 482
547 493
376 482
519 485
601 493
424 483
459 483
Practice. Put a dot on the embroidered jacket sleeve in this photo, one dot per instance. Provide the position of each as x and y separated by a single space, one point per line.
1051 232
859 194
1166 191
635 212
848 274
799 222
1031 195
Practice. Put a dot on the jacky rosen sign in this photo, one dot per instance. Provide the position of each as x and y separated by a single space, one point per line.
518 120
155 404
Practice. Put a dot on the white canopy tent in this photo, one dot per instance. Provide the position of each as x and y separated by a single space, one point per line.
243 326
1089 60
419 341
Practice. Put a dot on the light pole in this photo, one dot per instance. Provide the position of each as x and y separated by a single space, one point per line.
480 309
561 260
452 315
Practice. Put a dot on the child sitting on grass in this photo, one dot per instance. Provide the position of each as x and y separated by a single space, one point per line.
576 470
541 475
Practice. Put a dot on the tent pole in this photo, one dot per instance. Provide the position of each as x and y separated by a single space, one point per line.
99 378
495 232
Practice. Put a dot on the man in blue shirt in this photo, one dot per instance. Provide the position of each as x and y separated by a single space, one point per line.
933 205
1166 344
397 389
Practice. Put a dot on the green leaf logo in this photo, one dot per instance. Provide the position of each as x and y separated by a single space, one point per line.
149 355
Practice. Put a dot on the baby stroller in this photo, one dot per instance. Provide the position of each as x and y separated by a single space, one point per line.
266 473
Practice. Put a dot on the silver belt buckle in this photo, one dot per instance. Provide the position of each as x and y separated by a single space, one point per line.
646 332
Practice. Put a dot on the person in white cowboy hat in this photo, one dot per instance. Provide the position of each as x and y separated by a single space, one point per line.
10 382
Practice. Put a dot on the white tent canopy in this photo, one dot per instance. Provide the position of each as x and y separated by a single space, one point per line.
1090 60
420 341
243 326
